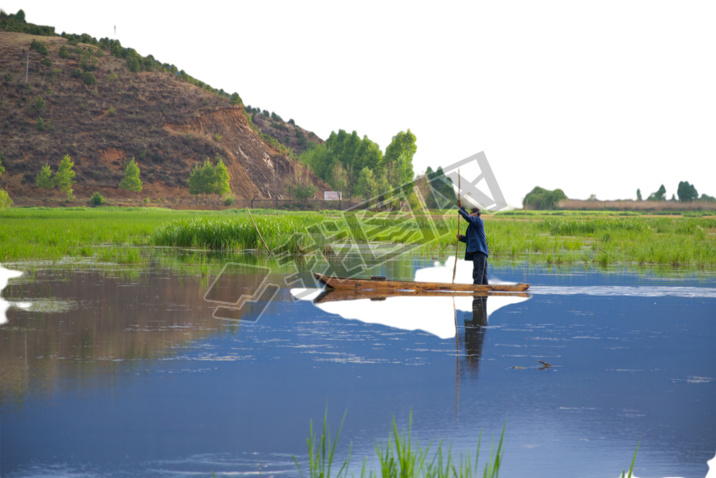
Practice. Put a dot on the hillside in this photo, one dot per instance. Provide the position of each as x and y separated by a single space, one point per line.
84 102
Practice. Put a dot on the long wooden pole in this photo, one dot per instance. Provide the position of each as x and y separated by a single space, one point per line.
457 247
257 230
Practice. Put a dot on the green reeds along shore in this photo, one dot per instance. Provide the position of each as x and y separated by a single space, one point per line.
124 235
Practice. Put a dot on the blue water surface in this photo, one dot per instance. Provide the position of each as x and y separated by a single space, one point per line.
131 376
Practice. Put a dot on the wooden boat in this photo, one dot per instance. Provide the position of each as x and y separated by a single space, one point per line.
381 284
337 295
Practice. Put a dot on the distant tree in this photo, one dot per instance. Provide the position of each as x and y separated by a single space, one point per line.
202 180
208 175
673 197
235 99
540 198
659 195
320 159
97 199
39 47
131 181
20 16
5 200
384 188
195 181
687 192
38 105
133 64
442 194
222 178
292 122
638 195
89 78
339 178
64 52
301 188
44 178
398 158
706 197
64 178
210 179
2 169
366 185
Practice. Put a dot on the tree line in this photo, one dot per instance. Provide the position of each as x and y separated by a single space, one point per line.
540 198
357 166
208 178
685 191
64 179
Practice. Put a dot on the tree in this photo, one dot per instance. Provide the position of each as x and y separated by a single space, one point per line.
398 158
2 169
38 105
687 192
638 195
339 178
320 159
659 195
301 188
131 181
210 179
366 185
201 180
5 200
235 99
540 198
44 179
64 178
441 194
384 188
222 178
97 199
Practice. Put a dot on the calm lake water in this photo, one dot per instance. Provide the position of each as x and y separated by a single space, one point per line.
128 373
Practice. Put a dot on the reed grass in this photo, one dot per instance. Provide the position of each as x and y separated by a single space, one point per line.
401 457
631 467
322 451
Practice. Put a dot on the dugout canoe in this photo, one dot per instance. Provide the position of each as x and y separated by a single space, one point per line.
381 284
339 295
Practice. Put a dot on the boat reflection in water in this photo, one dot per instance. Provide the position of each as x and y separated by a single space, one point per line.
432 312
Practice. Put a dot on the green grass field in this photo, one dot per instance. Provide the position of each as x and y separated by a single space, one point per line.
590 238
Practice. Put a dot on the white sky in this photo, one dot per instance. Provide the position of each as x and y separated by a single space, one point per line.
591 97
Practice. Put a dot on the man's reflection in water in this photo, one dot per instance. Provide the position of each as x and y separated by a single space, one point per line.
475 331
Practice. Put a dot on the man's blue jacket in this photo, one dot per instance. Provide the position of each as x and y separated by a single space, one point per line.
474 236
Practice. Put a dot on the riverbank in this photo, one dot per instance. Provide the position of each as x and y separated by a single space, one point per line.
123 235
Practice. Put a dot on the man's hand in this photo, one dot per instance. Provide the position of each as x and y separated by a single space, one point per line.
458 236
459 203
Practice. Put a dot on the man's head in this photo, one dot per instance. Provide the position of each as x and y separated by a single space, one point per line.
475 211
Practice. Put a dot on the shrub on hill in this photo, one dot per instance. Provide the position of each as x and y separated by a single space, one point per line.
97 199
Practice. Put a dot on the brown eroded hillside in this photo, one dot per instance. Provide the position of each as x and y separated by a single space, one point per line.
87 104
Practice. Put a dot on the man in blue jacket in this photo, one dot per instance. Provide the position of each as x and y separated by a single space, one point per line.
476 243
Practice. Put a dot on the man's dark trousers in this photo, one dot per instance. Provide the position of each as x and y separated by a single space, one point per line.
479 268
